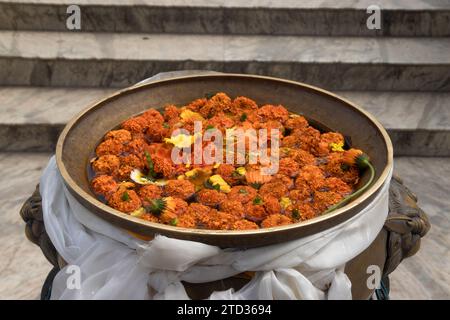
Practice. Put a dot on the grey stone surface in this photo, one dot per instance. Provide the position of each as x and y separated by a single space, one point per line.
426 275
23 267
31 118
118 60
399 18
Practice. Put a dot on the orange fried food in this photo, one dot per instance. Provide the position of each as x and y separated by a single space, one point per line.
241 105
153 116
182 189
106 164
271 204
125 200
104 185
324 200
271 112
211 197
170 216
297 122
275 220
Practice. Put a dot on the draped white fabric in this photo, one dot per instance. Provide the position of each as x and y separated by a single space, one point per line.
115 265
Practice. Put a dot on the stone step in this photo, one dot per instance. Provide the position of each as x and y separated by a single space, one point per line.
119 60
284 17
32 118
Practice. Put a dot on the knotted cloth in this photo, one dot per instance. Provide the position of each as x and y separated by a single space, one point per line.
115 265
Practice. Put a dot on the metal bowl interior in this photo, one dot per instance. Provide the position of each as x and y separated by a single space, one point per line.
81 135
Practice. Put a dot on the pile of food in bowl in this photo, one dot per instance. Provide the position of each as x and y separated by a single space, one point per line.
134 170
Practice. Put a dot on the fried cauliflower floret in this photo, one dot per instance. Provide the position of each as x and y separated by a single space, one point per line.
274 189
298 122
288 167
244 225
119 135
218 103
149 192
135 125
104 185
109 146
275 220
255 212
233 207
323 146
125 200
182 189
124 172
106 164
210 197
243 194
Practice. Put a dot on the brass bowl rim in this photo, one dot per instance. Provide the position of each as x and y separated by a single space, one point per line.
376 185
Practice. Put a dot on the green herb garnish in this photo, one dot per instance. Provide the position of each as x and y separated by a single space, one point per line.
156 206
166 125
125 196
209 185
256 185
174 222
243 117
209 127
243 191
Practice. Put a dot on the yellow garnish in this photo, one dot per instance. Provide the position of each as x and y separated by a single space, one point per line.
217 180
338 147
181 140
138 212
191 115
181 177
216 165
188 165
241 171
285 202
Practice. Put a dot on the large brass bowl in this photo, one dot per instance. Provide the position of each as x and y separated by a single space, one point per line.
81 135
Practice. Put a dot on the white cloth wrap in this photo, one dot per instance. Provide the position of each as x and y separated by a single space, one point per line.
115 265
